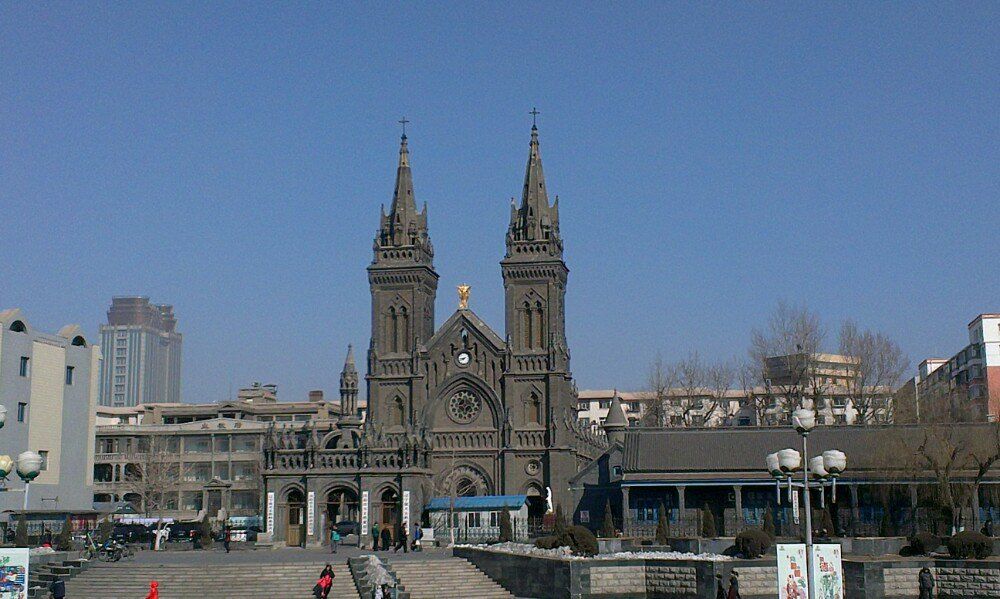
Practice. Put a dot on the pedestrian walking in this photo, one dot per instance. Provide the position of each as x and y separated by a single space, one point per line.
334 539
377 592
375 536
322 588
926 583
226 533
988 526
734 585
154 592
401 540
57 588
417 535
720 589
386 538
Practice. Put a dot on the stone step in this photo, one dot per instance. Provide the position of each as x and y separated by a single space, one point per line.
453 578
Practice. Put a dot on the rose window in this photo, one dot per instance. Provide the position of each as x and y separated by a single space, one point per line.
464 407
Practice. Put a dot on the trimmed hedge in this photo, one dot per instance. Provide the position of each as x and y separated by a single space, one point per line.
970 544
752 543
923 543
579 539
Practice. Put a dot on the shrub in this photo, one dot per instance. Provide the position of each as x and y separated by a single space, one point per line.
21 532
662 527
708 524
608 527
560 525
970 544
506 530
64 541
206 533
923 543
104 530
768 525
580 541
752 543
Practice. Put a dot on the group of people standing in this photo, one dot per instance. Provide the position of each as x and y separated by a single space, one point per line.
382 538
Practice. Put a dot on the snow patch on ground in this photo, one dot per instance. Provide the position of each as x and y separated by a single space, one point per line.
565 553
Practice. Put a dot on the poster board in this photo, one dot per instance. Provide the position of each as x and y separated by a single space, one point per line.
311 513
406 511
270 513
828 572
13 573
792 571
364 514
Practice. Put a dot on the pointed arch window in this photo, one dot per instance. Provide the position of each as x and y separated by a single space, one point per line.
539 327
404 329
397 410
533 408
526 324
392 328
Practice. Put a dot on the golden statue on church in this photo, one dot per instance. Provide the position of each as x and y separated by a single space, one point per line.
463 296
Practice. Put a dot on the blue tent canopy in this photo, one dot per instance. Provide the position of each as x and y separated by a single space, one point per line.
484 503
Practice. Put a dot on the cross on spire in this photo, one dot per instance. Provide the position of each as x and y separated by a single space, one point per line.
534 117
403 122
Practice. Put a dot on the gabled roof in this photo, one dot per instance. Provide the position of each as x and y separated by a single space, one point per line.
483 503
474 322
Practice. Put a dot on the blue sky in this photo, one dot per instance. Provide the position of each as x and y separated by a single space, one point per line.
711 160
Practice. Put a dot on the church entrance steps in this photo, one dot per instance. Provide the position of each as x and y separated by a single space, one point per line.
186 581
444 579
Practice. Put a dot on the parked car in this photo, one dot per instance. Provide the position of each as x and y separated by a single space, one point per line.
131 533
181 531
347 527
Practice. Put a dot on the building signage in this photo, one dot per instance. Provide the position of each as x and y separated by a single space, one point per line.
584 516
827 571
364 513
14 573
792 571
310 513
270 513
406 511
795 507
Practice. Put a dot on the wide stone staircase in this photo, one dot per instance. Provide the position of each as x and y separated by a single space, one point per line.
445 578
125 580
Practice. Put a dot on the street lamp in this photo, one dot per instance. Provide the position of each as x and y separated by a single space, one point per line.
826 467
29 464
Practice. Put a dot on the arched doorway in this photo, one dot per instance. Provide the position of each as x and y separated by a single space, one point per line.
537 506
341 506
296 523
387 510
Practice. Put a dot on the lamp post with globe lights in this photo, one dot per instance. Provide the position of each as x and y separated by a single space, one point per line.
29 464
825 468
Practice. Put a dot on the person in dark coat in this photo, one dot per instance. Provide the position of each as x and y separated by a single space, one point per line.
226 533
57 588
926 580
988 526
720 589
401 540
734 585
375 536
386 538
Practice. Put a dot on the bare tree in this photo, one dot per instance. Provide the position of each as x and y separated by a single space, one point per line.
756 399
719 380
660 380
784 353
449 483
688 398
876 368
154 476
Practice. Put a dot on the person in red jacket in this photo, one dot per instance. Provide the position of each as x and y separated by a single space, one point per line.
324 584
154 593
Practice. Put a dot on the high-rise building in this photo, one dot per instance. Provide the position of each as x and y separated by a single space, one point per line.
48 384
142 353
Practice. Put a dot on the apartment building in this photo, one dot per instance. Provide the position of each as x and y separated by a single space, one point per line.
967 385
143 353
48 384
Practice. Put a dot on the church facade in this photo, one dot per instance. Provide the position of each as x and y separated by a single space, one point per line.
453 410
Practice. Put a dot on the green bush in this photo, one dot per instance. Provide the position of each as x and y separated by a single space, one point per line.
608 527
923 543
969 544
753 543
708 530
21 532
64 541
663 527
506 530
560 524
206 533
768 525
580 541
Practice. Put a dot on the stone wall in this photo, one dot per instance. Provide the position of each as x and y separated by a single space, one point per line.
554 578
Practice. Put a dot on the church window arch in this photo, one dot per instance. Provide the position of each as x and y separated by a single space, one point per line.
397 411
539 327
526 324
533 408
393 328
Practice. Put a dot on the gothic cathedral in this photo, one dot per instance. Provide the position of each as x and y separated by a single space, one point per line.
456 409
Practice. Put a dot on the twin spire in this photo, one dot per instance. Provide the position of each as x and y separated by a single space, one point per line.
533 223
